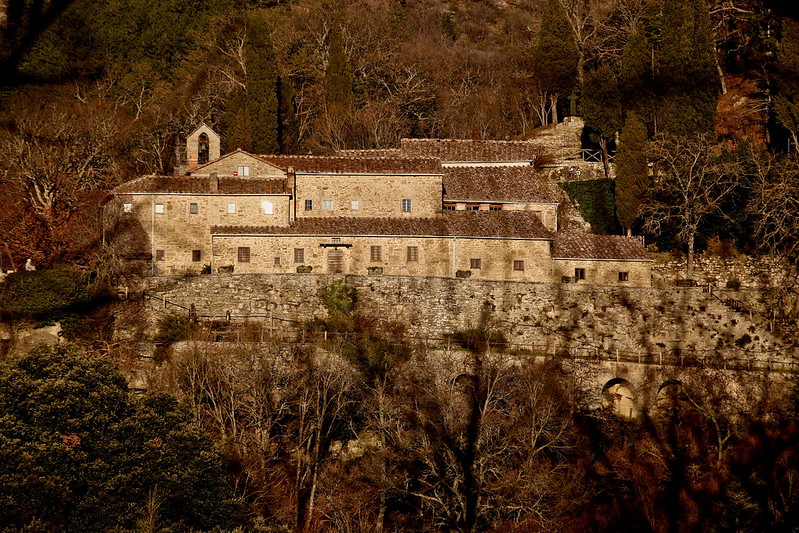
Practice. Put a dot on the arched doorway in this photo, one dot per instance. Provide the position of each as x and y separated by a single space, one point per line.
619 395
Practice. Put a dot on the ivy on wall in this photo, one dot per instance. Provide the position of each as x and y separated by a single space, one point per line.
596 202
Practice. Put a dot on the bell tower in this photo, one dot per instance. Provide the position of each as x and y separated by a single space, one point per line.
202 146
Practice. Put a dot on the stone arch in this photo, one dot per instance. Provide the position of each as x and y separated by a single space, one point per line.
202 146
620 396
668 395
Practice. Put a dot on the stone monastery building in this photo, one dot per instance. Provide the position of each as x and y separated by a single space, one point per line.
445 208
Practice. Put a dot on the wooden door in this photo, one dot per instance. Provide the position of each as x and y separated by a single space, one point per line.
335 261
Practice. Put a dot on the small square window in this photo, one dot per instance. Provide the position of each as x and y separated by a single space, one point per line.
449 207
268 207
413 253
193 208
327 205
277 261
243 254
231 208
127 208
495 207
299 255
624 276
518 265
335 240
579 273
376 253
355 205
159 255
406 205
475 263
309 205
159 209
243 171
196 255
473 207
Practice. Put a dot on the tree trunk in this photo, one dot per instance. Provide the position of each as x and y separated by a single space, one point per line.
629 232
554 108
690 266
603 145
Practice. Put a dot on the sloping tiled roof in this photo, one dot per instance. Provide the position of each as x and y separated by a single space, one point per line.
371 152
468 150
202 185
495 184
507 224
587 246
220 158
355 164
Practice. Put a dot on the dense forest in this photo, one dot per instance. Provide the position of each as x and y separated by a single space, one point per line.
697 100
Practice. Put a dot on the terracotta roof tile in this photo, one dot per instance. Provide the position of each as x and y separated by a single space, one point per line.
588 246
508 224
371 152
357 165
202 185
497 184
468 150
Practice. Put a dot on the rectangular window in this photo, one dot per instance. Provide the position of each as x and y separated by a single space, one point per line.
624 276
449 207
336 240
277 261
473 207
376 253
268 207
413 253
127 208
355 205
475 263
243 254
327 205
243 171
196 255
193 208
309 205
159 209
518 265
579 273
231 208
495 207
406 205
299 255
159 255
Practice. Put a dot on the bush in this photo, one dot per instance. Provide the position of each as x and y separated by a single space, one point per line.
171 329
733 284
596 202
478 340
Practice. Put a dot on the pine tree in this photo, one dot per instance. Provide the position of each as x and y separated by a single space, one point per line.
632 171
262 86
687 72
556 55
339 79
786 96
602 108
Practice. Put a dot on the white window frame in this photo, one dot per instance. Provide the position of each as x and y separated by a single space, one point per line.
327 205
268 207
127 208
159 209
355 205
243 171
231 208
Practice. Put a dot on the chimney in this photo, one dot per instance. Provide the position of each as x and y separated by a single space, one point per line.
214 182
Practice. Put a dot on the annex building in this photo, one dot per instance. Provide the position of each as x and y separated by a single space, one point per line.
444 208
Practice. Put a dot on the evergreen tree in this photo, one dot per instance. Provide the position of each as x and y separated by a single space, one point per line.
687 72
636 75
236 125
602 108
262 86
556 55
632 171
288 129
786 97
339 79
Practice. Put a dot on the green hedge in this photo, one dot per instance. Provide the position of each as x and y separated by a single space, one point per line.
46 294
596 202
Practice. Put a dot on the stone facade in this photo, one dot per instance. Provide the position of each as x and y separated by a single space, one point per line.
603 272
203 145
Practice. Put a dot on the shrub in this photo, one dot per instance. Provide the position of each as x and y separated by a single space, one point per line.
478 339
596 202
171 329
733 284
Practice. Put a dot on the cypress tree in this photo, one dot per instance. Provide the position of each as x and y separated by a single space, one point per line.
339 79
632 171
687 72
262 86
556 55
636 75
602 108
786 94
236 125
288 129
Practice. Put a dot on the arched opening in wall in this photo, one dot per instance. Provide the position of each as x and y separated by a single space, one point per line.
670 393
619 395
203 149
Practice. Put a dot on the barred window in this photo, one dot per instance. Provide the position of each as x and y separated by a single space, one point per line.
413 253
495 207
624 276
309 205
159 255
299 255
244 254
196 255
406 205
518 265
277 261
473 207
376 253
193 208
475 263
579 273
449 207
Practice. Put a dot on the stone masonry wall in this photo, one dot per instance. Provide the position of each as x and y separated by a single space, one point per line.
629 320
750 272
